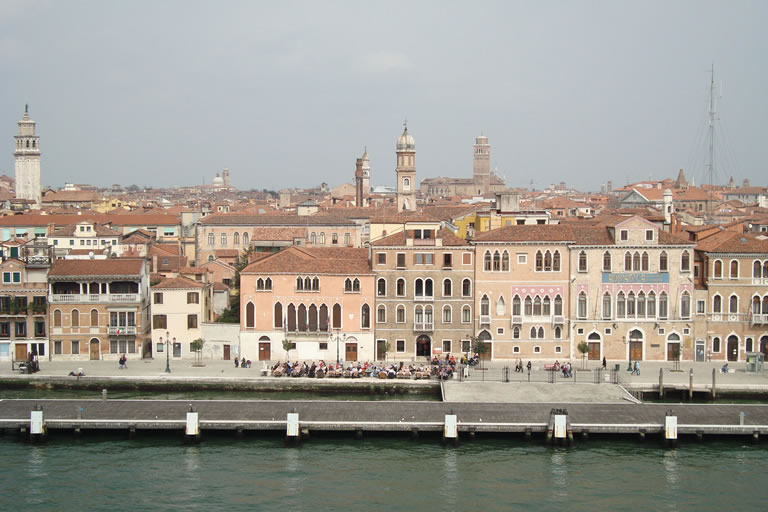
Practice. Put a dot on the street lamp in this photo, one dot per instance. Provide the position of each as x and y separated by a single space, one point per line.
338 339
167 355
628 342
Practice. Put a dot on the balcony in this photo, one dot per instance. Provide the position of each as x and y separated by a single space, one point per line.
424 326
517 320
85 298
558 320
424 298
114 330
485 319
759 319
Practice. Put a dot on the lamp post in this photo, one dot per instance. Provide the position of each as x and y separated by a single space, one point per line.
338 339
628 342
167 355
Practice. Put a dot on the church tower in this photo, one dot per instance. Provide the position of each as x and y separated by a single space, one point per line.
481 165
27 160
366 174
406 172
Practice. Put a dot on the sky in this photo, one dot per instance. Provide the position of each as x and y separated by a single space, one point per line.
290 93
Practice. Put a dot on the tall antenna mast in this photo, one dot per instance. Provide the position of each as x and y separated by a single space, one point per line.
711 164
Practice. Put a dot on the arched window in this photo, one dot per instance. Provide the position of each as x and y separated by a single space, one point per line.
516 306
447 288
487 261
365 317
733 304
718 269
429 290
94 318
75 318
546 310
539 261
466 314
558 305
505 262
501 307
757 269
663 305
756 305
418 288
734 269
245 238
556 261
401 287
541 333
627 261
651 305
685 262
606 261
291 320
636 261
356 285
336 316
316 283
301 317
259 284
313 238
533 333
381 287
644 260
631 305
250 313
406 184
347 285
381 314
400 314
446 314
268 283
717 304
485 306
57 318
537 306
322 318
278 323
236 238
582 261
496 261
299 283
558 332
582 305
641 305
685 305
547 261
528 306
621 306
466 288
663 262
516 333
606 306
308 283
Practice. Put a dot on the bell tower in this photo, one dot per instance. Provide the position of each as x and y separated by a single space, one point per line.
27 160
481 165
406 172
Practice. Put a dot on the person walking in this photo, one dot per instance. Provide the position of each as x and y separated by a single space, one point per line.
636 369
605 363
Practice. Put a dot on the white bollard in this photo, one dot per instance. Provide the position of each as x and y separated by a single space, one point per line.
560 426
36 423
292 425
670 427
193 424
450 430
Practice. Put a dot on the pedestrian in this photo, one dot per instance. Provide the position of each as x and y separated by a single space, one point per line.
605 363
237 363
636 370
529 366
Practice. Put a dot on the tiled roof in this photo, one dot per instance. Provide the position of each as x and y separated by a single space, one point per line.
128 219
178 283
277 234
731 241
72 229
528 233
236 219
399 240
314 260
109 267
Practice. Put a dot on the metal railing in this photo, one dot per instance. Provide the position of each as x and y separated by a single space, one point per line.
88 298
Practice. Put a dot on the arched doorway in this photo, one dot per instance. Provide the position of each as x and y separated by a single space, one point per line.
733 348
674 350
265 350
593 341
486 337
423 346
764 346
350 349
94 349
636 345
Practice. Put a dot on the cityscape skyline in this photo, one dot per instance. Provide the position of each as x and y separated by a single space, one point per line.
173 109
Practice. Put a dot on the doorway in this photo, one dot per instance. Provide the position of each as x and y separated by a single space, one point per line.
636 345
227 354
733 348
674 351
265 350
423 346
764 346
176 349
700 351
94 349
593 342
21 352
485 337
350 352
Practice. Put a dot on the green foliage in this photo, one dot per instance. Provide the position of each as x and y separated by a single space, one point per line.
197 345
231 315
583 347
287 345
479 346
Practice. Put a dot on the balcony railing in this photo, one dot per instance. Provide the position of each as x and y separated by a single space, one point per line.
517 320
424 298
424 326
129 330
485 319
558 320
759 319
87 298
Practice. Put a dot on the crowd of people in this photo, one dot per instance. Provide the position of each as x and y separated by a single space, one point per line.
438 368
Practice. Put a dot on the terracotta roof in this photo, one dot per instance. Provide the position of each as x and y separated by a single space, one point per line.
194 270
70 196
128 219
528 233
731 241
109 267
238 219
72 229
178 283
314 260
399 239
281 234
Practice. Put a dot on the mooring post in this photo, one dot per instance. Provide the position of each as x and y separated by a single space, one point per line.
714 387
192 432
292 427
37 423
670 429
661 383
742 415
104 394
451 429
690 385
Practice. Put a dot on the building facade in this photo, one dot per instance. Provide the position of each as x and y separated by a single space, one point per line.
27 160
179 308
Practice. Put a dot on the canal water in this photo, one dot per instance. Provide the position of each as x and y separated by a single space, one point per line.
377 473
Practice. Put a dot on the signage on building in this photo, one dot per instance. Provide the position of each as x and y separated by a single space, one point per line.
635 277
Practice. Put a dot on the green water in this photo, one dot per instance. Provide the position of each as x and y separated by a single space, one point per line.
339 473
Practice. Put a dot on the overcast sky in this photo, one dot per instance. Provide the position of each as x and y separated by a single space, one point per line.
283 93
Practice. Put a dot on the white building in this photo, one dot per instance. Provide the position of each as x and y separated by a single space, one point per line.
179 307
27 160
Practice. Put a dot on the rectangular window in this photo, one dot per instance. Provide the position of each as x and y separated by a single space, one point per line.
17 277
191 321
700 307
400 345
71 242
346 239
381 258
223 239
211 239
113 348
335 239
466 258
57 347
522 258
158 298
401 260
446 346
75 347
193 298
39 329
158 322
447 259
21 329
624 235
5 329
400 315
6 277
649 234
323 345
466 346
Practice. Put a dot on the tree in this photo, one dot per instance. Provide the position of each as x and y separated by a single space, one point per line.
384 348
583 347
197 347
231 315
479 346
287 346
